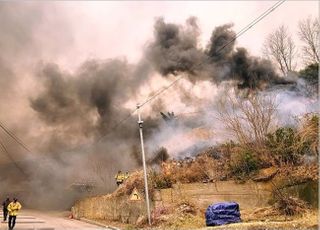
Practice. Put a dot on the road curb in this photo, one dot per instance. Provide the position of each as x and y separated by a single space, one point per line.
98 224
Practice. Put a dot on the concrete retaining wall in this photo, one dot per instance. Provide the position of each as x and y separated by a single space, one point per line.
109 208
248 195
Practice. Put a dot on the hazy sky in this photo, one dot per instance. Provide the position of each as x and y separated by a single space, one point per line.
121 29
69 33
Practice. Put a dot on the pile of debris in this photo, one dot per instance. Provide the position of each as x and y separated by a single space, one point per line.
290 206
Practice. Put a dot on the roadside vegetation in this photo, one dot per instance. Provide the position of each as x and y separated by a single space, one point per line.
291 153
257 145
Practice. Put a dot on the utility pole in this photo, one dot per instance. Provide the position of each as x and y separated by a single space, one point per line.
140 122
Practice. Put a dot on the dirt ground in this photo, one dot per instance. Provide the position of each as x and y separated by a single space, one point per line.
308 220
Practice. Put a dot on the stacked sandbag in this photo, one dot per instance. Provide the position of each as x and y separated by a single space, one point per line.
222 213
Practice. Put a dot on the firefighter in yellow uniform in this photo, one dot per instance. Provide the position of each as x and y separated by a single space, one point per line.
13 209
120 177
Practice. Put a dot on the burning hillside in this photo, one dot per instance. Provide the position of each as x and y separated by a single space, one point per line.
73 116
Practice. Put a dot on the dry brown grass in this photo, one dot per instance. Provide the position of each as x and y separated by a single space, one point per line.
134 181
184 215
203 168
308 220
291 175
309 131
270 218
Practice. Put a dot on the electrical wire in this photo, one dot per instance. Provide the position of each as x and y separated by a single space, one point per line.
140 105
14 137
241 32
161 91
116 126
254 22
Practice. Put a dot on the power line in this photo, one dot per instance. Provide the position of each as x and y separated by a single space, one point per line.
13 136
261 16
140 105
254 22
161 91
117 125
242 31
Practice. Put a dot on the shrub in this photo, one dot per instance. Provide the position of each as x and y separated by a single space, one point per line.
310 73
243 162
159 180
223 150
286 146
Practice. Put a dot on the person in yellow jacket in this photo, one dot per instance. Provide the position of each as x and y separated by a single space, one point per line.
13 209
119 178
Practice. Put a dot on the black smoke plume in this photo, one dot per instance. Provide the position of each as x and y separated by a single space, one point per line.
176 50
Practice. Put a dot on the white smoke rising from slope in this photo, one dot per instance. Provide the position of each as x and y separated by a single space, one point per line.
207 130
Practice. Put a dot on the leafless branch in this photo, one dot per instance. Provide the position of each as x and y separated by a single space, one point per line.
280 48
248 120
309 31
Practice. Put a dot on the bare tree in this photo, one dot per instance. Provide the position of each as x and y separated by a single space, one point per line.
280 48
248 120
309 31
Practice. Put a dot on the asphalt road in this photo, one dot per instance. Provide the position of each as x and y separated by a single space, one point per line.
37 220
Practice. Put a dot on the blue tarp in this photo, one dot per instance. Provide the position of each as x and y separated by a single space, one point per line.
222 213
